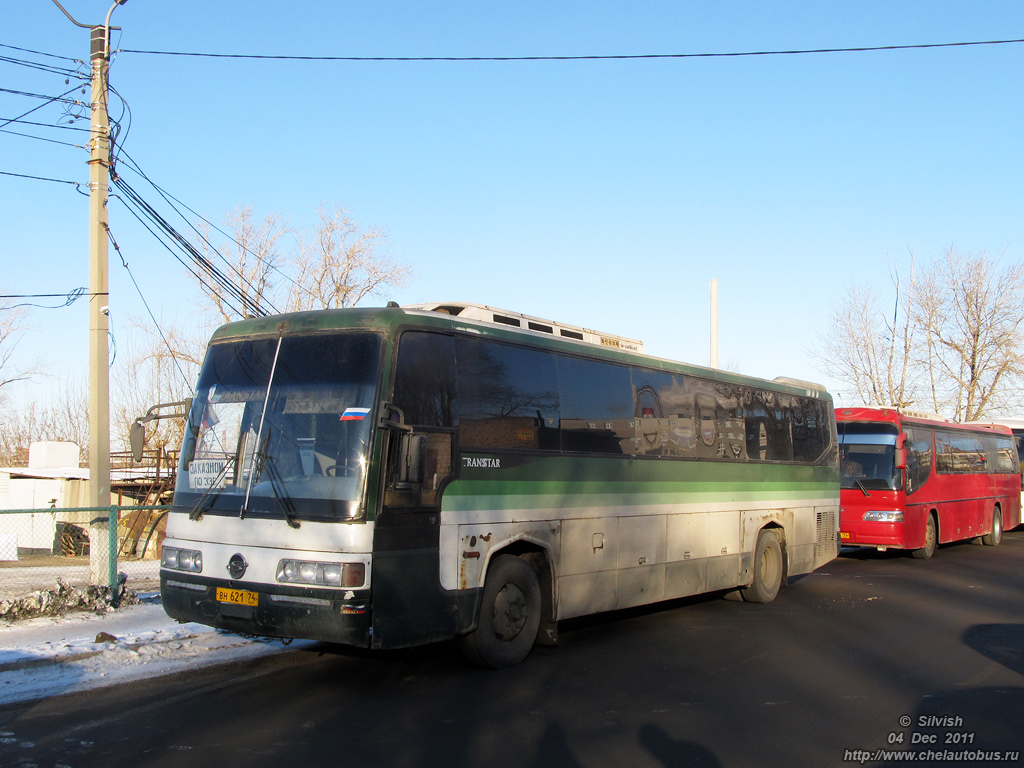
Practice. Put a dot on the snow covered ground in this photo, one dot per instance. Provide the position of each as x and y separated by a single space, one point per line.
54 655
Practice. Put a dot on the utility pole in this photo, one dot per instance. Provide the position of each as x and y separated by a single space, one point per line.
714 323
100 570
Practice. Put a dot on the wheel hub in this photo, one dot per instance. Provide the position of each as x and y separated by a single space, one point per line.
509 612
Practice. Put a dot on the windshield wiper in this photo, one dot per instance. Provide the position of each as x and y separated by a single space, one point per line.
201 506
863 488
267 463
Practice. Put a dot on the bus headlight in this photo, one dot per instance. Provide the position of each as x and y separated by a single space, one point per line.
177 559
350 575
884 517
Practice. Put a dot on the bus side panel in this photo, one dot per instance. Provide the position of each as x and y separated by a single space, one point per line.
687 569
724 549
641 560
409 606
588 555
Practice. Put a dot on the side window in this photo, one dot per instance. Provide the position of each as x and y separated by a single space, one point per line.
425 380
958 453
420 461
1000 455
596 406
919 457
718 412
663 410
768 418
943 453
508 396
810 429
968 454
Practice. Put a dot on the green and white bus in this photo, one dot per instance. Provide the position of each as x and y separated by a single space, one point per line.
398 476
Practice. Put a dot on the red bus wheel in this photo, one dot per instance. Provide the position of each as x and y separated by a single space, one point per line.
993 538
931 540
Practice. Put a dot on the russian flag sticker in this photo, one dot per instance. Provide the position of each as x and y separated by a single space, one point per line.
354 414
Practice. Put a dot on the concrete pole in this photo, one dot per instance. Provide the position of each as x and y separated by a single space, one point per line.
99 366
714 323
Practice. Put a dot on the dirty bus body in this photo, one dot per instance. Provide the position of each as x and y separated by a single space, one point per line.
392 477
915 481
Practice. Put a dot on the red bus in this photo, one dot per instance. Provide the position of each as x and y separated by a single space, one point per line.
913 482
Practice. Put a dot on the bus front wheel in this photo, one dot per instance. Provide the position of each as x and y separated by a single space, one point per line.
993 538
509 615
767 570
931 540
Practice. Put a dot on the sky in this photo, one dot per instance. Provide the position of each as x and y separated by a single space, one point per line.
605 193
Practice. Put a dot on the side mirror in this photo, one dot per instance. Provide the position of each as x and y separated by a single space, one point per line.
412 455
137 439
901 458
901 450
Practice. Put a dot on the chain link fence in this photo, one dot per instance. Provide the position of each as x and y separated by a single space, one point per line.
74 550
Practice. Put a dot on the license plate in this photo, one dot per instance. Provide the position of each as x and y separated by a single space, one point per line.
843 535
237 596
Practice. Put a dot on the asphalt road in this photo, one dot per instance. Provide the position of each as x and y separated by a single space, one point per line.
876 651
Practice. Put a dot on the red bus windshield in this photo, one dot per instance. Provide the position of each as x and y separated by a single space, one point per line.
867 456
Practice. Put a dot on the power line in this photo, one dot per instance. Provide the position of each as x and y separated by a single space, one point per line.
41 53
204 270
51 69
124 262
69 298
49 100
171 200
46 125
607 57
42 138
38 178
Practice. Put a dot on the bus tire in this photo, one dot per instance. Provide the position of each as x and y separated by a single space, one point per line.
995 536
767 569
509 618
931 540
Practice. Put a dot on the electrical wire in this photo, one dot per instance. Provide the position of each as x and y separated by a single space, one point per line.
124 263
198 265
69 298
171 200
49 100
42 138
39 178
168 197
858 49
49 125
40 53
44 67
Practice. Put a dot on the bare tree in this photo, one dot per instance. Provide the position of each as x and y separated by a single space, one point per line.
871 350
13 325
163 370
972 315
66 419
953 345
253 256
339 263
335 263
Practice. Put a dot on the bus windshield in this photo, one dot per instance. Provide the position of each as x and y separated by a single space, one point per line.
867 456
280 427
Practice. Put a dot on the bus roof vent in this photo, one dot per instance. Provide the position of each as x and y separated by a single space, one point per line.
921 415
506 318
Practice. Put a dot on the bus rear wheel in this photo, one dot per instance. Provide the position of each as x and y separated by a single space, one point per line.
931 540
993 538
509 615
767 570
